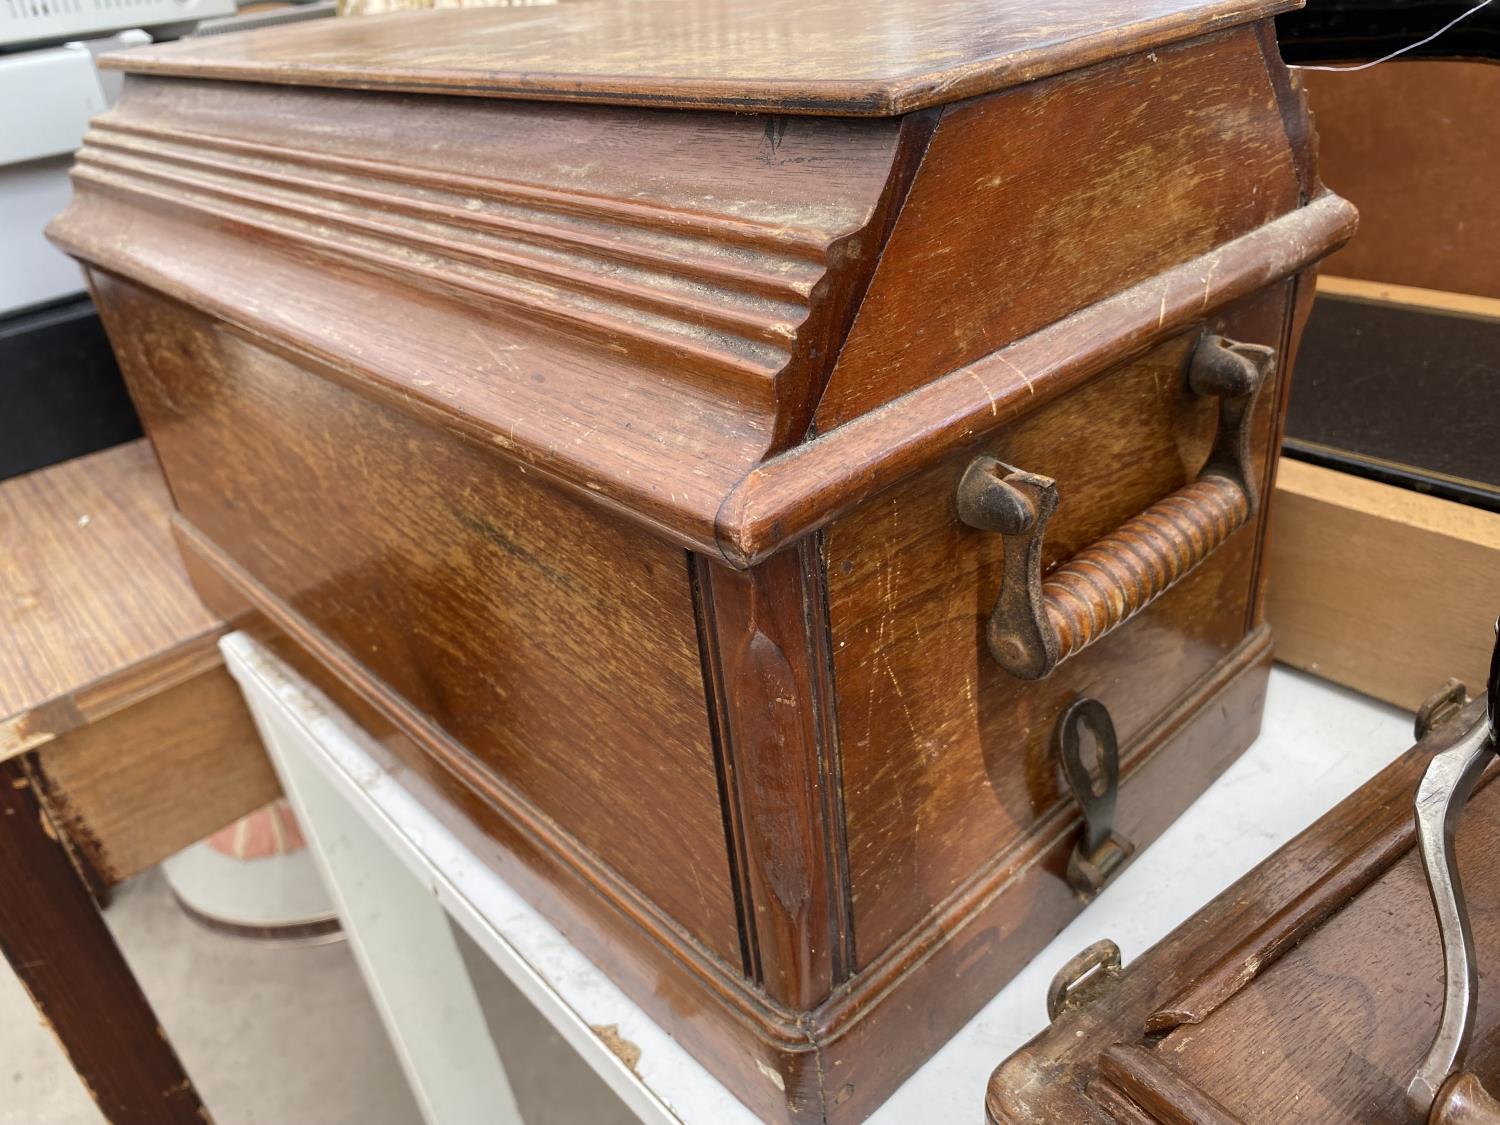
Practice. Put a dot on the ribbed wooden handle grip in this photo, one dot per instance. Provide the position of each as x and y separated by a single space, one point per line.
1039 622
1116 577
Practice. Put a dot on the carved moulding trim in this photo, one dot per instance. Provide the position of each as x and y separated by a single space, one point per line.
736 322
808 487
802 244
715 305
794 493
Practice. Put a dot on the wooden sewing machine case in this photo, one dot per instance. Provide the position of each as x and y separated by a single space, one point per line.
640 408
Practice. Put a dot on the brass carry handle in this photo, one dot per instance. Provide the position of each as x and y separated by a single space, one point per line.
1038 623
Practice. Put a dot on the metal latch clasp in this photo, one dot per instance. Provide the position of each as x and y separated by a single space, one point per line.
1101 851
1083 977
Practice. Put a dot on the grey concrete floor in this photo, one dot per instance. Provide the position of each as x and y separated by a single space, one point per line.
274 1035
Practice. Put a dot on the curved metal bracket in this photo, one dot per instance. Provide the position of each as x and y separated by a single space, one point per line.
1446 786
993 496
1444 790
1101 851
1231 372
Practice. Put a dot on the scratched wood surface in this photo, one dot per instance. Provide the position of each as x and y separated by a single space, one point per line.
658 290
1205 160
506 421
934 735
509 616
1324 1028
95 607
882 57
833 474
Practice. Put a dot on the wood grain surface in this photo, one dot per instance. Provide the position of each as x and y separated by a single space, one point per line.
639 305
111 668
657 327
759 1048
1380 588
55 939
519 621
141 784
815 483
1332 1030
507 420
881 58
909 1001
95 607
935 735
1203 160
766 635
1412 147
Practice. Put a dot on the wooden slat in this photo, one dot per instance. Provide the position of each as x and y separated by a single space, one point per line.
1152 1084
95 607
1411 296
145 782
1379 588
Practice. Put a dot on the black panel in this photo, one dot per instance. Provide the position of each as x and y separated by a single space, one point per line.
61 395
1400 394
1360 30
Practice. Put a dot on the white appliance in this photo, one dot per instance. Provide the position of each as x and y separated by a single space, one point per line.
46 99
53 21
47 96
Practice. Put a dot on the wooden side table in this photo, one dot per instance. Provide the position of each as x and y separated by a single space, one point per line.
122 740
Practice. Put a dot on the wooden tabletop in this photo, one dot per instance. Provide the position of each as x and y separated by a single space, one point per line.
846 57
95 607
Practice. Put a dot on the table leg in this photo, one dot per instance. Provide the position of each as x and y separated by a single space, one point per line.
55 939
401 938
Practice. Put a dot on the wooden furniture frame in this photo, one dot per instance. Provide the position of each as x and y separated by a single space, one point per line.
1383 571
122 741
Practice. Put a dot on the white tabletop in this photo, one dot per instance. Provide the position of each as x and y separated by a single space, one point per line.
1319 743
